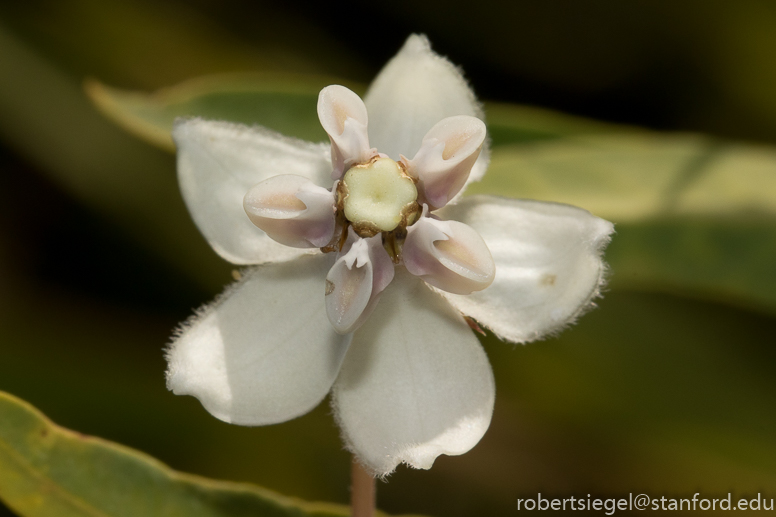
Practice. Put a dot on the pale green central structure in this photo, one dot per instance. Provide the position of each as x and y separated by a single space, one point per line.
378 193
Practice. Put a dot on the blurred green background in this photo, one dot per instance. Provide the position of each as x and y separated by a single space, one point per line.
668 388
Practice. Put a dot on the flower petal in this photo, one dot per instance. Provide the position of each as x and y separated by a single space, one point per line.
265 352
449 255
292 210
344 118
415 384
548 264
218 162
355 282
445 159
414 91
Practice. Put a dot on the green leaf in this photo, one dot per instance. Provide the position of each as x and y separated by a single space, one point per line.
285 103
693 214
512 123
48 471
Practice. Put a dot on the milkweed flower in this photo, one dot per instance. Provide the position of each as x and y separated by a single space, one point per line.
368 269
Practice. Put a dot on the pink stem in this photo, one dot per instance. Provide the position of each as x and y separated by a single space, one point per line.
362 491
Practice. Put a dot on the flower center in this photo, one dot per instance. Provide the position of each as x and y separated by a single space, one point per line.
378 196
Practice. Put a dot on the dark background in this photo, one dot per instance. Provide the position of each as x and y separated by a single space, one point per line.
653 392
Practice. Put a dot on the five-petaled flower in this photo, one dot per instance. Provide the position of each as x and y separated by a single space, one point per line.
369 270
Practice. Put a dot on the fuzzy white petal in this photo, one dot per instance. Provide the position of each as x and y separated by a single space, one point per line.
265 352
548 264
218 162
414 91
415 384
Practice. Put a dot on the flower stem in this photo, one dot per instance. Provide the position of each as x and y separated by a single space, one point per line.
362 491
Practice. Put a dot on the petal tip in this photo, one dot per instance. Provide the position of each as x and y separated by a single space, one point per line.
416 43
415 90
454 442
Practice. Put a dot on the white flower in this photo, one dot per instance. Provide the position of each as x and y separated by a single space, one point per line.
409 380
